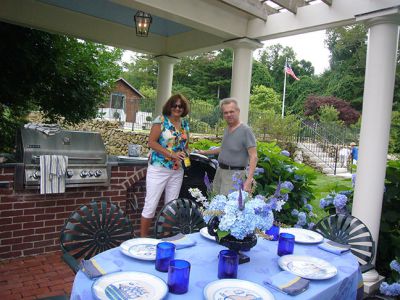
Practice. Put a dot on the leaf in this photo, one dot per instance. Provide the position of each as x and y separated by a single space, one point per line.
221 234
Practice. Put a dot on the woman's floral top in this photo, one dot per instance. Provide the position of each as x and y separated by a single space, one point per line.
170 139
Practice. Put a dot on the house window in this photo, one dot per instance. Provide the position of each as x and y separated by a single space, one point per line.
117 101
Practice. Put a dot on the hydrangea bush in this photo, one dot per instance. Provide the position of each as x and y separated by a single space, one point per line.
295 178
392 289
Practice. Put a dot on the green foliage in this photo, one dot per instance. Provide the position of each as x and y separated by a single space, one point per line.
204 144
279 168
148 92
329 115
205 112
269 123
265 98
199 126
389 234
394 142
61 76
142 71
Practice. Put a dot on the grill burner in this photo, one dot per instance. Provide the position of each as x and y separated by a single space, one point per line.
87 158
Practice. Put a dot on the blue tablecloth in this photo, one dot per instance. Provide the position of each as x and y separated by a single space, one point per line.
263 264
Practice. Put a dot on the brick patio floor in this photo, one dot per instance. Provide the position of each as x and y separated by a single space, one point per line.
35 277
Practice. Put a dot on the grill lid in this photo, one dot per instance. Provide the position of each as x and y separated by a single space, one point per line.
81 147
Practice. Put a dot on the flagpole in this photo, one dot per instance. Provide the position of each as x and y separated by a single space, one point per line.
284 90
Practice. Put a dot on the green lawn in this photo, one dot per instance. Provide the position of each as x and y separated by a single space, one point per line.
325 184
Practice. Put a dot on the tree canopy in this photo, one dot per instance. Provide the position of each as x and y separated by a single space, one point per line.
61 76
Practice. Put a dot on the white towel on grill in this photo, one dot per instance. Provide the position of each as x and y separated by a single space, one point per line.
52 173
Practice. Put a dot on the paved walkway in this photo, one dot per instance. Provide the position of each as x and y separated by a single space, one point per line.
35 277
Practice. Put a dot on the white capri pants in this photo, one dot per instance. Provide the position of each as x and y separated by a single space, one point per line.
158 179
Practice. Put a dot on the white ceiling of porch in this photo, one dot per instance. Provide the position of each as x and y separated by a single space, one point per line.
182 27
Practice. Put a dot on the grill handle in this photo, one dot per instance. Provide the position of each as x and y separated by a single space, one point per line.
74 158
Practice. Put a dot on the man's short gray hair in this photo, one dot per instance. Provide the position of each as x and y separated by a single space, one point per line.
228 101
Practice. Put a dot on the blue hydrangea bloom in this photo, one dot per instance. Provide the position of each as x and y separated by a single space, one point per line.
302 219
340 201
311 225
285 153
395 265
287 185
295 212
308 207
390 289
323 203
258 171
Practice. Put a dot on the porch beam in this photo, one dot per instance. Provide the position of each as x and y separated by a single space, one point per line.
252 7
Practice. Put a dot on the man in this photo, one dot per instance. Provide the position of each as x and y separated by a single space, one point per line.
238 150
354 152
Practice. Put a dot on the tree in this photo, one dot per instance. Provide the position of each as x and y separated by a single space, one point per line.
264 98
61 76
346 113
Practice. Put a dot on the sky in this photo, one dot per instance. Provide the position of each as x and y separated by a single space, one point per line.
307 46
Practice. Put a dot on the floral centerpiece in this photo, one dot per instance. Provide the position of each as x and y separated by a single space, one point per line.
392 289
239 214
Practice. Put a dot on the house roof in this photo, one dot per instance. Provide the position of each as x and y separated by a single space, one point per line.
130 86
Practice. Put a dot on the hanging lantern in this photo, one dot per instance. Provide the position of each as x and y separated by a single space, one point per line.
142 23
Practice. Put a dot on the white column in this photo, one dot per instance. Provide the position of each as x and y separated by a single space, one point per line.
164 80
376 119
241 72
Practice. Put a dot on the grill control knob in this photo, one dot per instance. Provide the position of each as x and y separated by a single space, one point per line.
35 174
91 173
98 173
70 173
84 174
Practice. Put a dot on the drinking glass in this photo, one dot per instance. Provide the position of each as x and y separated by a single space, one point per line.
178 276
285 244
274 232
228 264
165 252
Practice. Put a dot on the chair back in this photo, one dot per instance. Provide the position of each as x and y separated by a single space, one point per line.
349 230
178 216
92 229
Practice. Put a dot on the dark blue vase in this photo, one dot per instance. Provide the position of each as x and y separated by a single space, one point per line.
231 242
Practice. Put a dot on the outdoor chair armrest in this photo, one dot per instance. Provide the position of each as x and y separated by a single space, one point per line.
71 262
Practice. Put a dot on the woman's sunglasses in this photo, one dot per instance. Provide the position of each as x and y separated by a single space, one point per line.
177 106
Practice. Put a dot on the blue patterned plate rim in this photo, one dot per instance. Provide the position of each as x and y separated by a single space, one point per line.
145 286
127 248
235 287
307 266
304 236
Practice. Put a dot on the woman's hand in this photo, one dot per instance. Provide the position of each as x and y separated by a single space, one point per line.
178 155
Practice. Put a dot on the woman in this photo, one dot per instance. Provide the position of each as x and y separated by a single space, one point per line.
168 140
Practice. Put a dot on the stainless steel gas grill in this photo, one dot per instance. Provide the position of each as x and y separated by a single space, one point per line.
87 158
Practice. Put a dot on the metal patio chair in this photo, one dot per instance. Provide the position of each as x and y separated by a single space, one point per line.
92 229
349 230
178 216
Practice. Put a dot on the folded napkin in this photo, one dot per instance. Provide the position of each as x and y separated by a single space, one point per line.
288 283
92 268
334 247
180 240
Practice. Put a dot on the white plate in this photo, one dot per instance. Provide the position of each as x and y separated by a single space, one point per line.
235 289
303 236
140 248
135 285
204 233
307 267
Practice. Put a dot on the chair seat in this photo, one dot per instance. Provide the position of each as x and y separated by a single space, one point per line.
91 229
349 230
178 216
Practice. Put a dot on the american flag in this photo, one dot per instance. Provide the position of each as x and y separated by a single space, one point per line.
289 71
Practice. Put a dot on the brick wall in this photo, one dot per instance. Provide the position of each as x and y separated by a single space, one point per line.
30 223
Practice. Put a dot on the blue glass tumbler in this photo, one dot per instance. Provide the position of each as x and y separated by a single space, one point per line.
285 244
274 232
178 276
228 264
165 252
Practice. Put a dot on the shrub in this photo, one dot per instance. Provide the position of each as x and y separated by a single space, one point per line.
278 167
